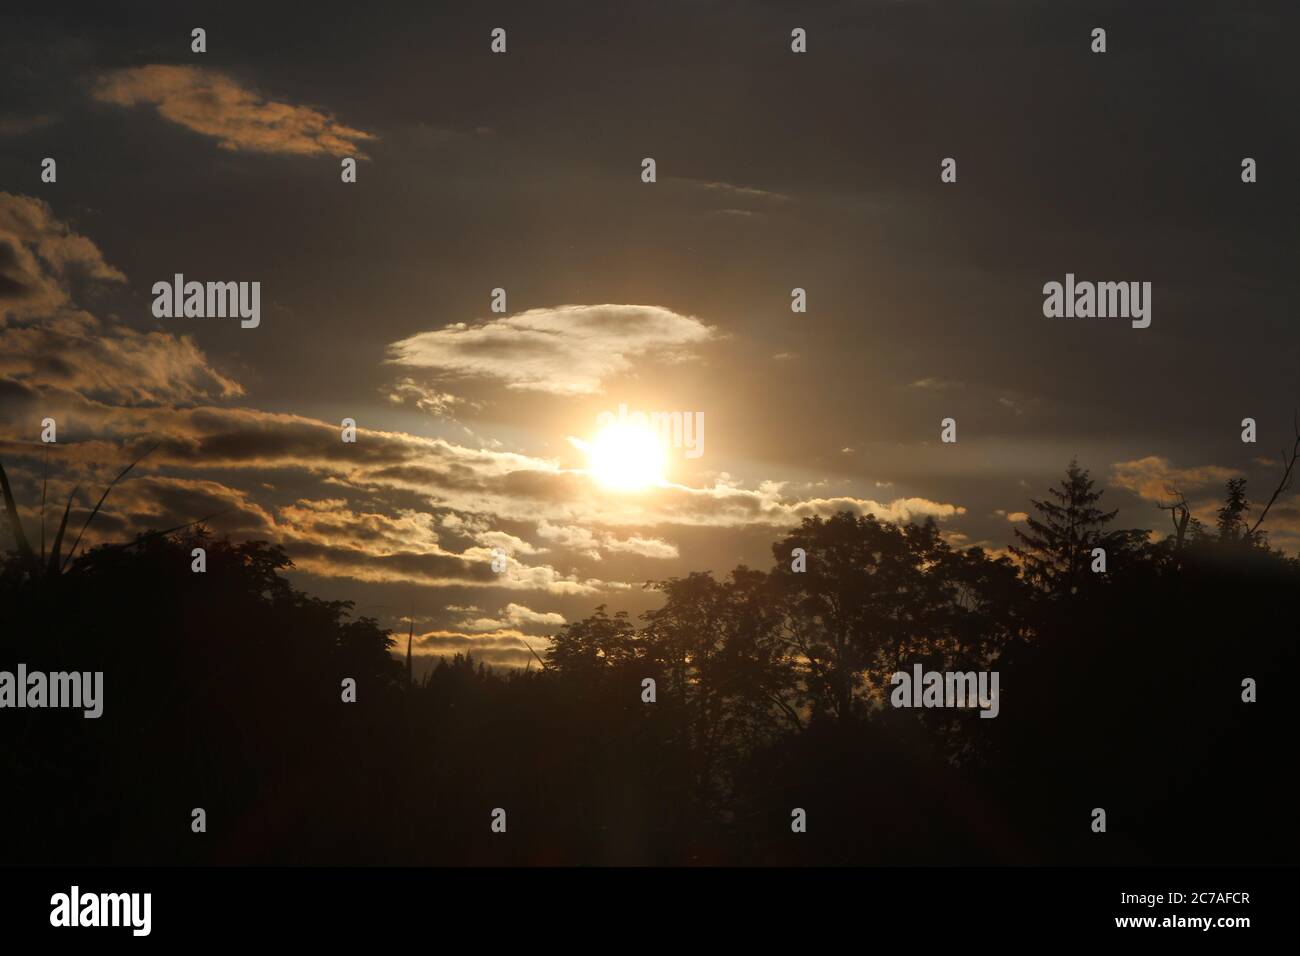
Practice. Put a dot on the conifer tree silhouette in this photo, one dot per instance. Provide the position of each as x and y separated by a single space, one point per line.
1056 550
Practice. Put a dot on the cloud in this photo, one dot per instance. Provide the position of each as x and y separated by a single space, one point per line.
518 614
79 353
425 399
506 542
331 522
215 105
403 547
934 384
458 491
1283 518
162 502
513 616
589 545
571 537
502 648
738 192
736 213
329 539
726 504
566 350
40 257
13 125
48 344
645 547
482 487
1152 478
394 567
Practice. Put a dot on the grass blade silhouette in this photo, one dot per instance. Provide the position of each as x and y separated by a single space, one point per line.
100 503
20 536
54 567
45 484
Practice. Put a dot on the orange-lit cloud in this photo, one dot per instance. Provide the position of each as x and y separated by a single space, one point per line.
1153 477
48 344
215 105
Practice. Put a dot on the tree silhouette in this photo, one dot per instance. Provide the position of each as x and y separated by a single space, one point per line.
222 690
1232 525
1057 548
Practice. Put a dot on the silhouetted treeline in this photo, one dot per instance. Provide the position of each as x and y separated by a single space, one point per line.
1119 689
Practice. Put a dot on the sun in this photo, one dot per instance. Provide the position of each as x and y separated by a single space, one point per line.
626 457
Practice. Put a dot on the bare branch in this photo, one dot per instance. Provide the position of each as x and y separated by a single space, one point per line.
1288 475
1180 513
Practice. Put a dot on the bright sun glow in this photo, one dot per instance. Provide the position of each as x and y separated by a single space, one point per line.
626 457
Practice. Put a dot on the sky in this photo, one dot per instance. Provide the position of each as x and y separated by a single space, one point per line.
522 171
